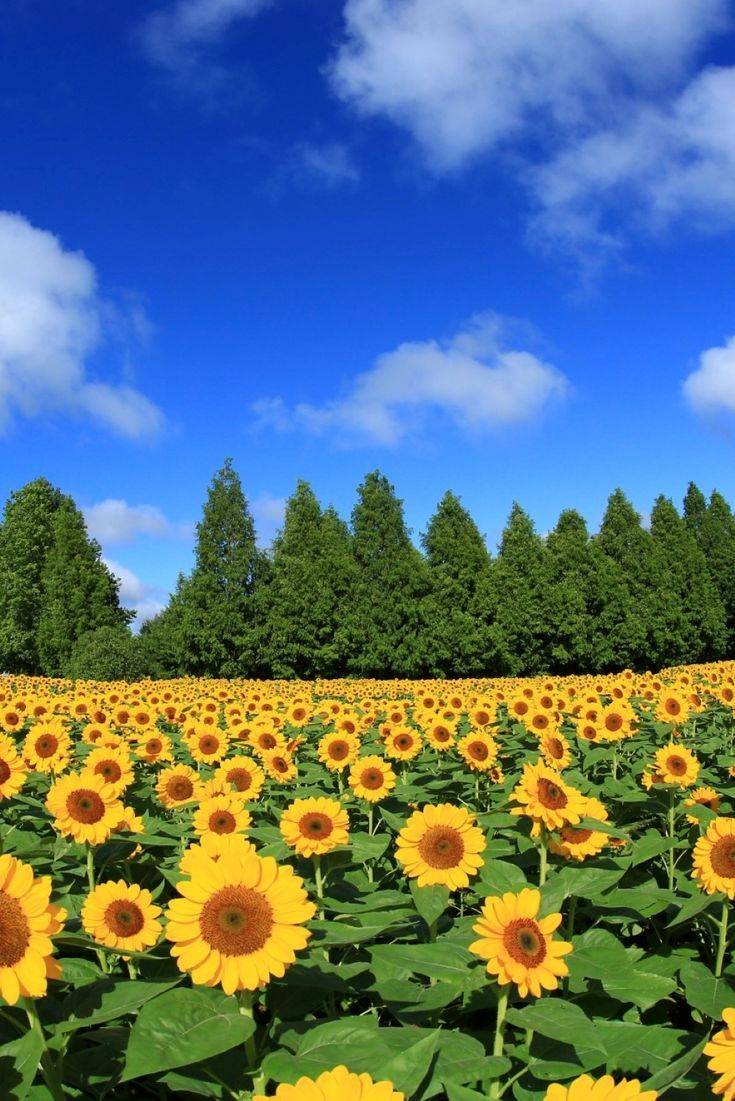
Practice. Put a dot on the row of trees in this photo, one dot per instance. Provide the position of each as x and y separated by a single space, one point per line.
331 599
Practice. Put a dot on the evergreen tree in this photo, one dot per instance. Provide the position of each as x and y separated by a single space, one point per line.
161 643
695 510
512 599
458 564
339 573
385 621
717 541
688 617
565 595
26 534
620 597
79 592
216 613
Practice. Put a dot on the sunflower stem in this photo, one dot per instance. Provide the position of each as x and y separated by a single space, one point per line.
499 1040
671 862
543 860
102 959
246 1003
722 937
48 1066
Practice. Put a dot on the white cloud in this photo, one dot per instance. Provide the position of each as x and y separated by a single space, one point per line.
711 388
474 380
144 599
268 513
115 521
179 37
326 165
52 320
463 76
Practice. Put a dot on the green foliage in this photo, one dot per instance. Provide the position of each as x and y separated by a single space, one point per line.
565 595
109 653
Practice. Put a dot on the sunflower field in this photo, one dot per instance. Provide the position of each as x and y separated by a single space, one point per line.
368 890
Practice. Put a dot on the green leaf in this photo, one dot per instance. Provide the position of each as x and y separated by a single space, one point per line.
182 1027
430 902
563 1021
497 877
442 960
18 1065
408 1069
671 1074
705 992
105 1001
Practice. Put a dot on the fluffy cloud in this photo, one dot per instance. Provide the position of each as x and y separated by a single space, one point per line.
145 600
472 379
51 321
115 521
465 75
711 388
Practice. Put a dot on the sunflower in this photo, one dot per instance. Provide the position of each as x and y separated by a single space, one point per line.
372 778
12 769
222 814
403 744
586 1088
84 807
280 766
113 765
154 747
121 916
441 845
546 798
519 948
242 774
478 750
721 1050
714 858
677 765
440 735
335 1085
576 843
338 751
314 826
265 740
239 921
47 747
213 846
28 920
555 750
207 744
702 797
178 785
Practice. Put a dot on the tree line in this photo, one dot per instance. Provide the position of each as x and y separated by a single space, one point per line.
331 599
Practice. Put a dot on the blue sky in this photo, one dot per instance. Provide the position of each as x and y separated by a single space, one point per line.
482 246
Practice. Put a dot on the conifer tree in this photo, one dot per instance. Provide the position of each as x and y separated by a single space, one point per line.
620 598
565 595
339 574
217 613
458 564
695 510
80 593
385 617
512 599
26 534
717 541
688 617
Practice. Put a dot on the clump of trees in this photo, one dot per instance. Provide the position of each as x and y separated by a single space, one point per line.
331 599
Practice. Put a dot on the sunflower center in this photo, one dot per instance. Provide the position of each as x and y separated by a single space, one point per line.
525 942
180 787
555 748
722 857
673 707
442 734
124 918
236 921
404 741
316 824
482 718
240 777
613 722
279 764
677 766
15 933
441 847
110 770
85 805
208 744
153 745
267 741
551 795
222 821
47 745
338 751
575 837
4 771
371 779
479 751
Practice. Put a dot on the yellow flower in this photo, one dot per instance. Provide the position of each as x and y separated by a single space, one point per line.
154 747
441 845
586 1088
576 843
242 774
314 826
518 946
403 744
479 751
213 846
338 751
677 765
371 778
280 766
207 744
547 798
84 807
721 1049
714 858
222 814
440 735
113 765
12 769
555 750
47 747
702 797
27 922
121 916
177 786
240 920
335 1085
